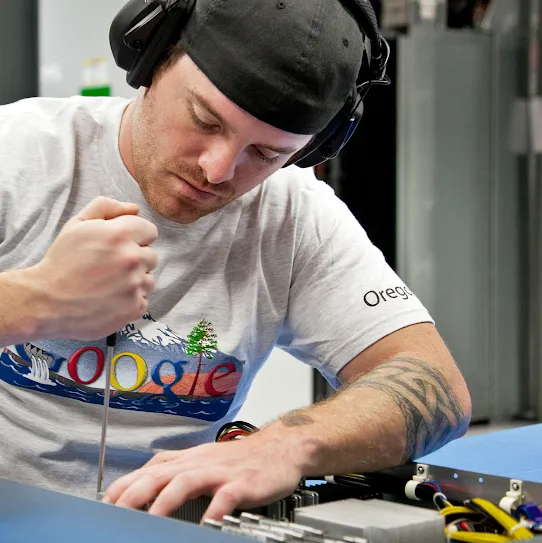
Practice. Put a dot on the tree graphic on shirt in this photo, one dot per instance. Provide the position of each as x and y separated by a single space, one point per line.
201 341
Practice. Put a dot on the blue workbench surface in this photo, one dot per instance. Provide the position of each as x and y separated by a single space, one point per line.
32 515
29 514
513 454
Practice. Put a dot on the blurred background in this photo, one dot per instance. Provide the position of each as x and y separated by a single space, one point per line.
444 173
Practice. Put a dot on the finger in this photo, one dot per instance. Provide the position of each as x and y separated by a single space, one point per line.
106 209
141 307
142 491
149 258
148 284
140 230
119 487
116 489
182 488
225 501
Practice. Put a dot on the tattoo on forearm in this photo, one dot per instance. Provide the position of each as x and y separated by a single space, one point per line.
433 415
296 419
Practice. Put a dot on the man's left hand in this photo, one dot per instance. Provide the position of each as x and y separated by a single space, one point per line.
247 473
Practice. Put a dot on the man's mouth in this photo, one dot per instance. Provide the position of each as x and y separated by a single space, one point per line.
192 191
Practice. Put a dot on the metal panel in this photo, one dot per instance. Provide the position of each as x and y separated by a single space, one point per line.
484 465
458 485
18 50
505 218
444 190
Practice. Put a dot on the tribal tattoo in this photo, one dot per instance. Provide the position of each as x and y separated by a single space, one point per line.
432 413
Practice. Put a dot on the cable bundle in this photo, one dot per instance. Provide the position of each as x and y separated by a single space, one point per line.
235 430
477 520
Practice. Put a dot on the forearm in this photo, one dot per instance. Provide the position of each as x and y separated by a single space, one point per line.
401 410
21 307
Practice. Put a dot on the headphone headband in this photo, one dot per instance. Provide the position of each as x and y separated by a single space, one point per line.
366 18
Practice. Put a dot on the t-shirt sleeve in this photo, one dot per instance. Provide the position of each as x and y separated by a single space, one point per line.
343 295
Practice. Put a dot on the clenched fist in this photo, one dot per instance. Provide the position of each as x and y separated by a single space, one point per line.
95 278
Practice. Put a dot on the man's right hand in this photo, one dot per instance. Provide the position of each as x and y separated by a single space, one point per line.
96 276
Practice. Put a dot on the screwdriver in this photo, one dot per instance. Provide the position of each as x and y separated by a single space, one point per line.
111 341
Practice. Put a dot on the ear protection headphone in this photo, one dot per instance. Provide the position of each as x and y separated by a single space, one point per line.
143 30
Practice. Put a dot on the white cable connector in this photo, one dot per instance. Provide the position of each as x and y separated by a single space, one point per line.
420 477
410 489
439 495
513 498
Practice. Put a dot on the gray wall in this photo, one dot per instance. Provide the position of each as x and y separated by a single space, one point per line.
70 32
458 204
18 50
508 335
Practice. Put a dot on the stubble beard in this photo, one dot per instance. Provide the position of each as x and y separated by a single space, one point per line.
156 180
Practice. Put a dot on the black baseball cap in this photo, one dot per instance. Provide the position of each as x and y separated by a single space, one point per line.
289 63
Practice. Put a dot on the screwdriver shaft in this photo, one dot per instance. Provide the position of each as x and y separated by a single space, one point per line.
111 341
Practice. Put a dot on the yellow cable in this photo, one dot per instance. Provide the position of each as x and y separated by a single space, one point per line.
457 510
509 523
474 537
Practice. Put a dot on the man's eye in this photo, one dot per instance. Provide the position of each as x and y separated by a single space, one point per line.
199 122
267 159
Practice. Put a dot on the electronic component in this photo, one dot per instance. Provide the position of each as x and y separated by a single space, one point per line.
309 492
264 529
194 510
377 520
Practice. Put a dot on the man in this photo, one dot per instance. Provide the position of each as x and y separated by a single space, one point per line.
250 256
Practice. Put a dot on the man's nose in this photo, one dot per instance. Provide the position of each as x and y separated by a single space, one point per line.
219 163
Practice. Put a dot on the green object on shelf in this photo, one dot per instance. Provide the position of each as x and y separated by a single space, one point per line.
96 91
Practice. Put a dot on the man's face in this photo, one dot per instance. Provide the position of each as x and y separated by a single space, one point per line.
193 150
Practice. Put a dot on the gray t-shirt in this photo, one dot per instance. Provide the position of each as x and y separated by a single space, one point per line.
286 264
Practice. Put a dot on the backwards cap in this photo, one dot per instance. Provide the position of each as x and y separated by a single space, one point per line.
289 63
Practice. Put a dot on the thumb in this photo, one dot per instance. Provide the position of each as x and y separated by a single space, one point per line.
106 208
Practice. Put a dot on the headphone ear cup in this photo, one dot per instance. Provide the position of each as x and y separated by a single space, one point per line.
328 143
130 14
141 34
